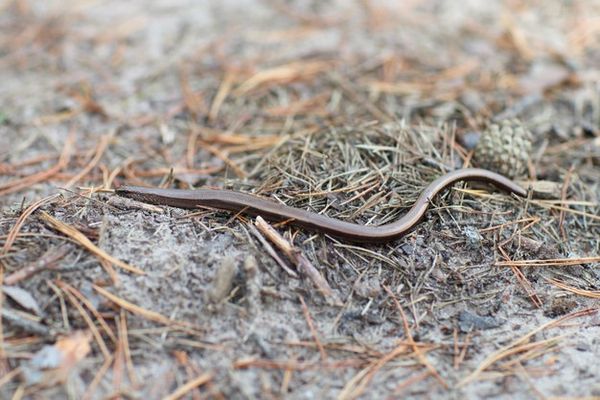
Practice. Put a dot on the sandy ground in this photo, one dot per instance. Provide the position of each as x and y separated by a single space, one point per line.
347 108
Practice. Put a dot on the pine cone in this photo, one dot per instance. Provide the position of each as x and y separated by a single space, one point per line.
504 148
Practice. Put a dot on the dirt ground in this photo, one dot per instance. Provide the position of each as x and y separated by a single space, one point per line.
348 108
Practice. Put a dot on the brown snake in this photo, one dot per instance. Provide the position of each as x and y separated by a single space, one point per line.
254 205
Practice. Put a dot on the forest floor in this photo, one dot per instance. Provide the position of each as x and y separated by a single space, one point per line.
345 108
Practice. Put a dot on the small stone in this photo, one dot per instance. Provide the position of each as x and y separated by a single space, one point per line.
470 139
468 322
223 280
473 236
369 287
585 347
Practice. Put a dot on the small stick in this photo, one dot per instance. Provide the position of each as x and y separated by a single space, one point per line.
553 262
102 146
193 384
142 312
313 329
563 197
523 280
27 181
272 252
420 356
49 260
124 337
303 264
222 93
14 232
508 349
79 296
87 243
88 320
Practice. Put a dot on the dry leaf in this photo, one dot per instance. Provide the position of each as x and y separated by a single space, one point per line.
53 364
23 298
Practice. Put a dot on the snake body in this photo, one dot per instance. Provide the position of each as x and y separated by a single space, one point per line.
268 209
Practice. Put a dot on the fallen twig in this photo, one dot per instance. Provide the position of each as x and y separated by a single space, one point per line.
514 347
87 243
142 312
14 232
194 383
301 262
553 262
48 260
594 294
26 182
